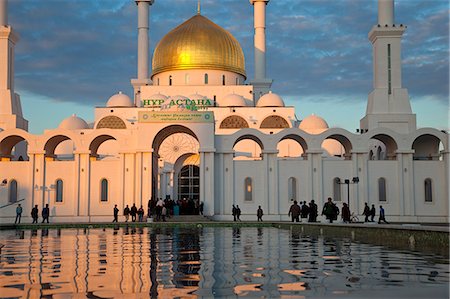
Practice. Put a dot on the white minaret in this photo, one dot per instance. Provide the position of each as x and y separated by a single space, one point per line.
388 104
143 77
261 84
10 107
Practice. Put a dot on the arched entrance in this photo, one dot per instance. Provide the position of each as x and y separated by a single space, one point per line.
172 144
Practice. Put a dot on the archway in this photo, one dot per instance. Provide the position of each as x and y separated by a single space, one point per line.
169 145
248 147
14 148
292 146
383 147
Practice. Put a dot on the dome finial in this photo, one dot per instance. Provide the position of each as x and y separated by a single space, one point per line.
198 7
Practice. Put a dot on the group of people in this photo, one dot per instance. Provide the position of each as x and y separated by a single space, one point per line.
133 212
34 214
297 212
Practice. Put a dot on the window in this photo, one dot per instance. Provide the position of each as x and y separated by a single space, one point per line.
428 190
337 189
248 192
59 191
292 188
158 81
186 79
170 80
13 191
381 189
104 190
206 78
237 81
223 79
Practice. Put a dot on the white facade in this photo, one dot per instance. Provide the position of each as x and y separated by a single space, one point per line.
246 150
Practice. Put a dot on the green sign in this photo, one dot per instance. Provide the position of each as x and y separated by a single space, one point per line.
188 104
174 117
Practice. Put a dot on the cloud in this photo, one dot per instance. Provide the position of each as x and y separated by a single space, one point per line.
84 51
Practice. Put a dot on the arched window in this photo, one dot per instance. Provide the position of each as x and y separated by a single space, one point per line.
337 189
233 122
59 191
292 188
223 79
170 80
248 189
428 190
381 189
206 78
13 191
104 190
237 81
111 122
186 79
158 81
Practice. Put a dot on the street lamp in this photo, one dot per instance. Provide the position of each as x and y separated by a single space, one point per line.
355 180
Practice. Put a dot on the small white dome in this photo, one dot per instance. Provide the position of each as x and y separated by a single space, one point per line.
73 123
313 124
158 96
119 100
232 100
270 100
196 96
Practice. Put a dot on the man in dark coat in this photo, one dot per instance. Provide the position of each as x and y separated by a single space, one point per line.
45 213
34 214
345 213
259 213
372 213
330 210
133 213
313 211
305 210
366 212
116 213
294 212
233 212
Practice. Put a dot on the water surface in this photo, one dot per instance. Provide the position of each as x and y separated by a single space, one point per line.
210 262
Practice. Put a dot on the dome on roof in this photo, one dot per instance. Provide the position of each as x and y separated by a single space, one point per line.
158 96
73 123
196 96
313 124
231 100
119 100
270 100
198 43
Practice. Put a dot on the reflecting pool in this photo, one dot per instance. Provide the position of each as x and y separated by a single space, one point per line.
210 262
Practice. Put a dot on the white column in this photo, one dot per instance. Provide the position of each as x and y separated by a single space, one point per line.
260 37
386 12
143 13
3 12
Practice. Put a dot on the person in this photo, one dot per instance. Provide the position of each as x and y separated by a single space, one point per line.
163 213
141 214
116 214
366 212
200 208
259 213
330 210
294 212
372 213
34 214
133 213
313 211
126 213
345 214
233 212
18 214
159 206
45 213
304 211
382 216
238 213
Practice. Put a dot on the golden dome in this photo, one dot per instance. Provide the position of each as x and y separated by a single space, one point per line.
198 43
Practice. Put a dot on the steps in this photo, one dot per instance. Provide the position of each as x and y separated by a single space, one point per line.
188 218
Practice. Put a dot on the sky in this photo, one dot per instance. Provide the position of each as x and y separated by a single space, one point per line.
73 55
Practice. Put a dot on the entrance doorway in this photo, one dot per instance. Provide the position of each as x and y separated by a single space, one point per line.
189 182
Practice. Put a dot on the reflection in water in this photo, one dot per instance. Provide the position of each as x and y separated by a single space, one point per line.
209 262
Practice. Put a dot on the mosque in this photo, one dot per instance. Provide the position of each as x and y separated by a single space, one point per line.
197 127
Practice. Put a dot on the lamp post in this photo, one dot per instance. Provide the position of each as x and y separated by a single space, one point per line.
355 180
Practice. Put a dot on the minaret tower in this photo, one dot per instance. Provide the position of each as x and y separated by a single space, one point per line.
143 77
261 84
388 104
10 107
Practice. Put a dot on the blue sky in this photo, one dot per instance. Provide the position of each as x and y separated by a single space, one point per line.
73 55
